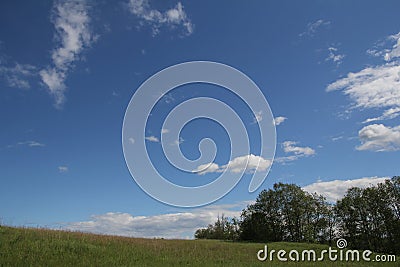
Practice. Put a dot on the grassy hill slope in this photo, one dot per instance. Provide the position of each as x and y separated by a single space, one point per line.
42 247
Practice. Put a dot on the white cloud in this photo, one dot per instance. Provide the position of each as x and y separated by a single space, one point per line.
62 169
376 87
168 98
378 137
286 159
389 48
207 168
31 144
297 151
179 141
258 116
313 27
247 163
34 143
290 147
394 52
164 131
171 225
131 140
279 120
387 114
336 138
71 21
334 56
152 139
373 87
18 76
173 17
335 190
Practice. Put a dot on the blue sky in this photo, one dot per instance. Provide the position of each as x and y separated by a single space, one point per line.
329 70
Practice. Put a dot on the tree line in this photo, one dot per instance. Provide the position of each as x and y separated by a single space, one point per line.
368 218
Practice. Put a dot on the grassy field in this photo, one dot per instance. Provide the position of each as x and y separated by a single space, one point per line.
42 247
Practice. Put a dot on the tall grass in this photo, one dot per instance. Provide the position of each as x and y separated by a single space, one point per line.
43 247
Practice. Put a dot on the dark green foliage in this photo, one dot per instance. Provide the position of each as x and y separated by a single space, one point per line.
286 213
367 218
370 218
223 229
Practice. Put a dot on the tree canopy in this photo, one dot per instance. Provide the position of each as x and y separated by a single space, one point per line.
368 218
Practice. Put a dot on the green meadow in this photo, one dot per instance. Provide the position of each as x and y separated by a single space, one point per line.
43 247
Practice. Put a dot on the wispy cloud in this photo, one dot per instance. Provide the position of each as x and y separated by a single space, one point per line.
336 189
156 19
179 141
168 98
291 147
152 139
170 225
18 75
258 117
378 137
62 169
390 113
373 87
376 87
336 138
71 21
313 27
247 163
279 120
393 52
334 56
388 49
30 144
